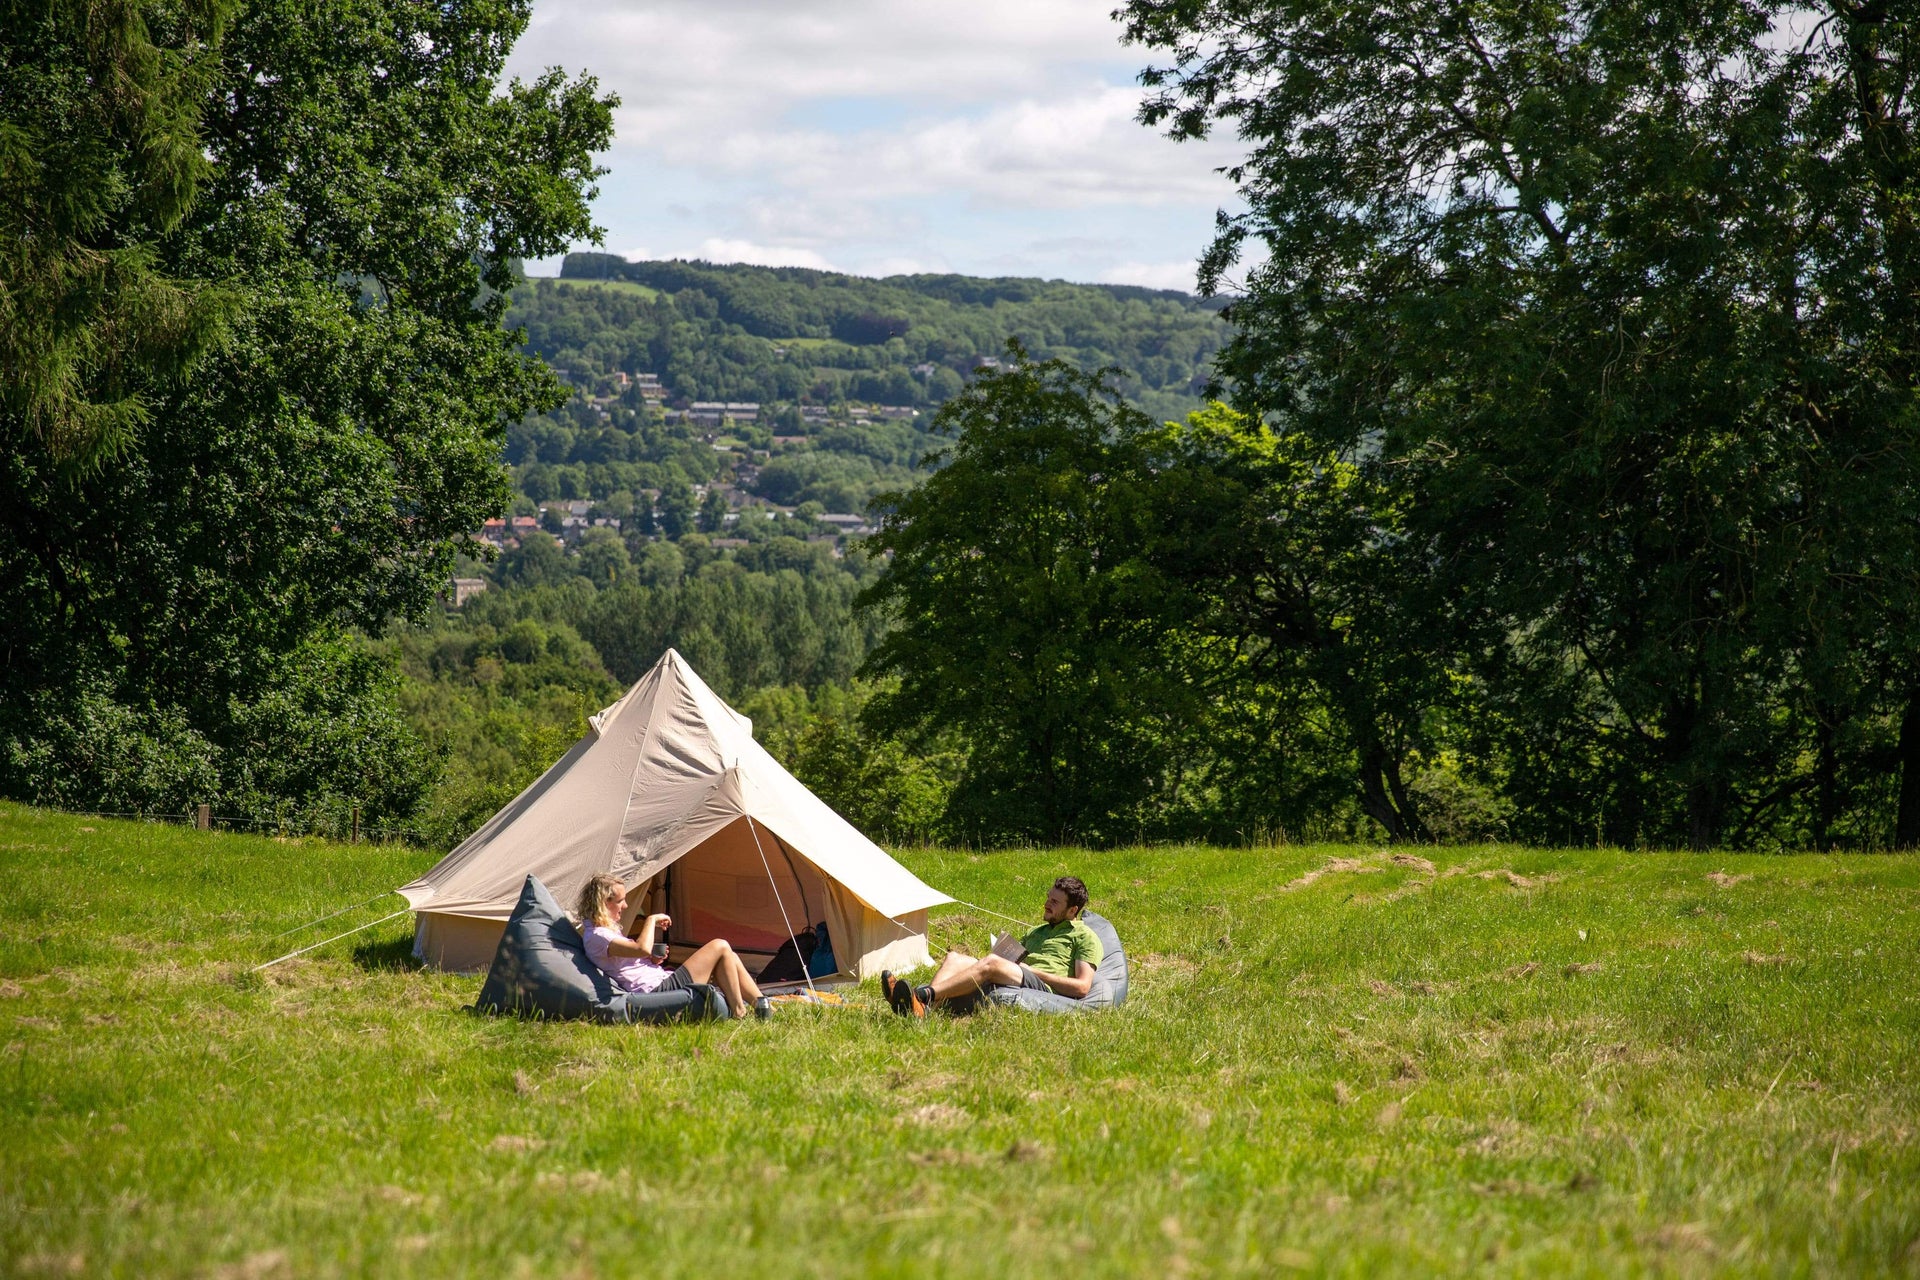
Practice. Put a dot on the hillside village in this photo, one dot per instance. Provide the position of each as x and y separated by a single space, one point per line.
727 511
743 447
737 404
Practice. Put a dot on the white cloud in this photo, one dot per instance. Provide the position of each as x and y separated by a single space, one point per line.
872 132
759 255
690 65
903 267
1154 275
1069 150
771 207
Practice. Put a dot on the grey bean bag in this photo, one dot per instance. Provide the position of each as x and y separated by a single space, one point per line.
1109 979
541 970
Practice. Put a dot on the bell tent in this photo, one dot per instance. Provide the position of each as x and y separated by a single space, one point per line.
669 793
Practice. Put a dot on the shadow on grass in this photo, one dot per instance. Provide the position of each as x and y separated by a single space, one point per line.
387 954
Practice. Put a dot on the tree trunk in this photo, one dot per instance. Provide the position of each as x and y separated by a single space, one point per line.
1704 811
1687 761
1384 799
1826 802
1409 812
1624 819
1906 831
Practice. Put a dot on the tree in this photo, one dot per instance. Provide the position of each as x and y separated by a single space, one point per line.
1298 599
99 155
362 190
676 509
603 558
1622 298
539 561
713 512
1022 619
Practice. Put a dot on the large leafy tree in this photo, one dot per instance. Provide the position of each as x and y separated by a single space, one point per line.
1025 621
1305 625
1622 298
358 187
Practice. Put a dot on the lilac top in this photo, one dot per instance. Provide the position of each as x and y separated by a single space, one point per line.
629 973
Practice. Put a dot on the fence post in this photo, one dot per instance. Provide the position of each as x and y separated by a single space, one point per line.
203 817
356 824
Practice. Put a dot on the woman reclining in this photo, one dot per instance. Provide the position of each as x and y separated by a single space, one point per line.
630 963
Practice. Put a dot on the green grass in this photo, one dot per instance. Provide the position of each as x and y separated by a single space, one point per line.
1340 1067
614 286
813 344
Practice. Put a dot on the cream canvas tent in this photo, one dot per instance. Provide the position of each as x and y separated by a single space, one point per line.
670 793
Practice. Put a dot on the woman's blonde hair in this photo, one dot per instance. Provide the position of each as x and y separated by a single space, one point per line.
594 896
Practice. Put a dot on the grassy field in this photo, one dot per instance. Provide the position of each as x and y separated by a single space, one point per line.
1335 1061
612 286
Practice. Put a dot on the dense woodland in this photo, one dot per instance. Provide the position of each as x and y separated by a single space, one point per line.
1612 314
788 335
253 271
1560 483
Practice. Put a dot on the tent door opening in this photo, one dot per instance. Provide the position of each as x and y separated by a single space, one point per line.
721 889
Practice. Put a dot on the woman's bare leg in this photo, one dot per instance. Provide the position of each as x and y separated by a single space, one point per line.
748 987
711 964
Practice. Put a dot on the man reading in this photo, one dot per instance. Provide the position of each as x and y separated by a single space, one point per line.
1061 956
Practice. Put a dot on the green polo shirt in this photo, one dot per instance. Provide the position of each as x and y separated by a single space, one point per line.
1056 948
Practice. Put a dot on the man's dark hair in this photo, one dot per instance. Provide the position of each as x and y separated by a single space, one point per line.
1075 889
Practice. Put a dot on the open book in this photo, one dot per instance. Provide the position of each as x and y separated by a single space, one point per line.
1007 947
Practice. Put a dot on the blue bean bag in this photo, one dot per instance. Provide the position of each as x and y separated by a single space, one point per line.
541 970
1109 987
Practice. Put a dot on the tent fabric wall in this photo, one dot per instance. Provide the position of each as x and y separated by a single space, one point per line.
879 942
466 944
458 944
669 779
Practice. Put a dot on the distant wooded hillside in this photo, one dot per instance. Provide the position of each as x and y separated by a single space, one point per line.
796 336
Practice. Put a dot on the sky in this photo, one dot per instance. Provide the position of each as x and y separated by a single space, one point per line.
995 137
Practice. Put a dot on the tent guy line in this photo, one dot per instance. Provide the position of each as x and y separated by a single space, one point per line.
962 902
754 827
335 938
333 915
